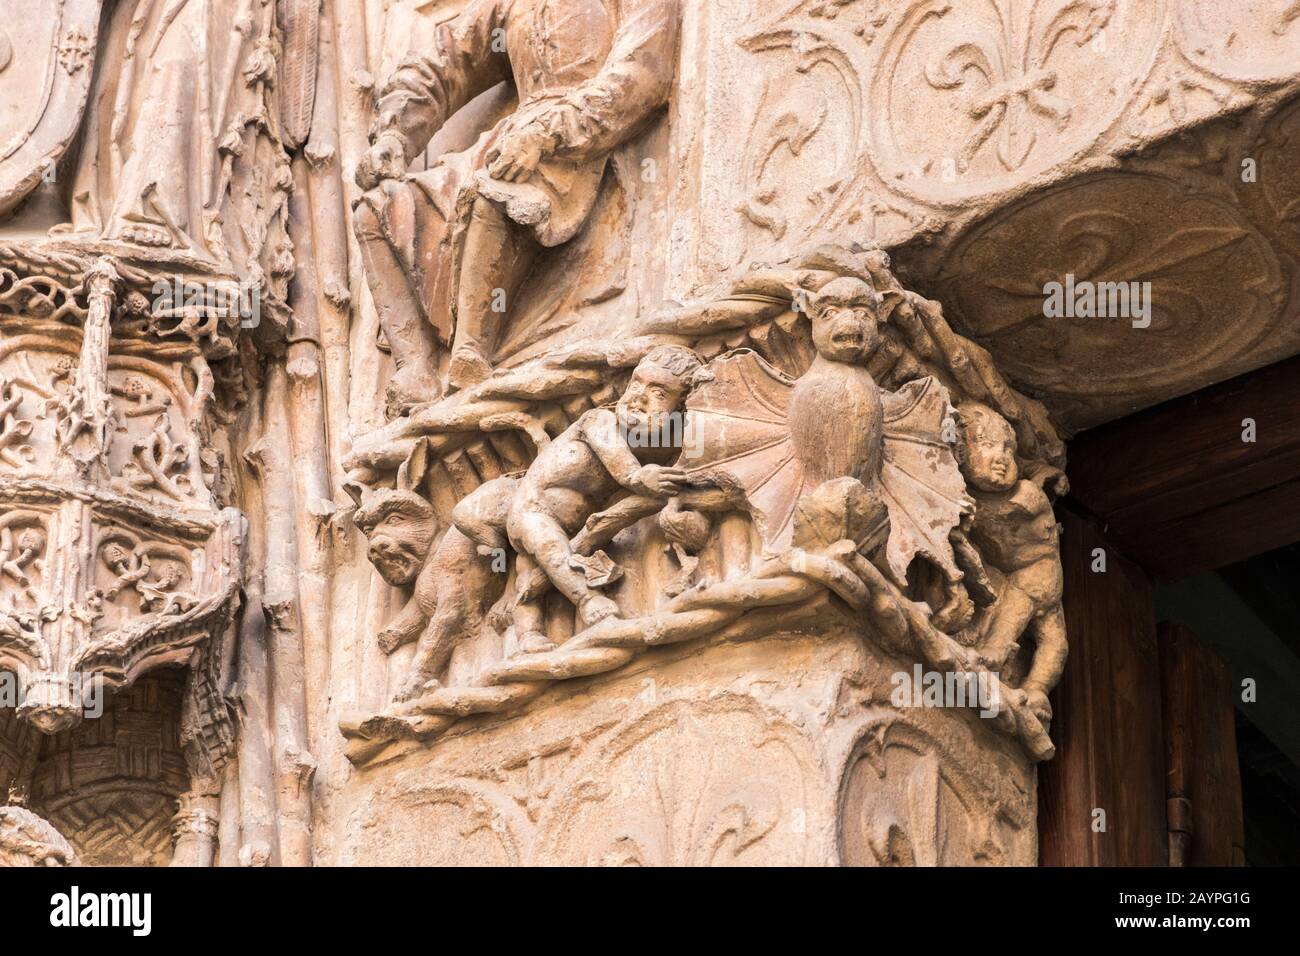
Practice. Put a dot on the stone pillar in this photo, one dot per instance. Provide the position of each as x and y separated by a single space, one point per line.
195 828
779 751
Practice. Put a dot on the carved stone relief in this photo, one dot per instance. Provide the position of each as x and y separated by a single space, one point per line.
540 432
773 505
27 840
932 126
905 802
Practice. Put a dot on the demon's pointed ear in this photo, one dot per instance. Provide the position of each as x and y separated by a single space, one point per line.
355 489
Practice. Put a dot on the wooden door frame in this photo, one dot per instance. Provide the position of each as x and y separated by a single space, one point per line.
1169 492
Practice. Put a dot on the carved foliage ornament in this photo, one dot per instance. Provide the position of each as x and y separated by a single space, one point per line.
115 556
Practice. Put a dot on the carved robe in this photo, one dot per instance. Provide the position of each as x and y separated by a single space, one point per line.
609 61
176 82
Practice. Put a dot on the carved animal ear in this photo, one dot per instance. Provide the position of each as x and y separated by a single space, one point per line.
355 489
410 476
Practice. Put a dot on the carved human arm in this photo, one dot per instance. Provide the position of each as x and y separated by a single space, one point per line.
603 526
601 431
636 81
427 89
1029 500
971 563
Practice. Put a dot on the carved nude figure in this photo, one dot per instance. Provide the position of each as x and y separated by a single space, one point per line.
1016 532
579 473
17 553
451 245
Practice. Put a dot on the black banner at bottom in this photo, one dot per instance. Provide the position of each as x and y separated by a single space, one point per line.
141 907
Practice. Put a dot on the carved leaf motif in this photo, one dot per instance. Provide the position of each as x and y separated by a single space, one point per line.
791 131
1103 249
700 818
300 23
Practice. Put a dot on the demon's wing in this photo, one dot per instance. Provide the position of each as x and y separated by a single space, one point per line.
920 478
738 423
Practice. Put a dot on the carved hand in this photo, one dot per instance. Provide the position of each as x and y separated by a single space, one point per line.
658 480
1037 702
385 159
518 151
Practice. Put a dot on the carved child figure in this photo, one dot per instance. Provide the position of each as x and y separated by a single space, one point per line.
16 555
1016 532
599 456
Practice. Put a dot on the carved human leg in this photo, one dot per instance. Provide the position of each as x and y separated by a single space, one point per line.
384 222
529 613
1011 615
496 256
541 536
1051 650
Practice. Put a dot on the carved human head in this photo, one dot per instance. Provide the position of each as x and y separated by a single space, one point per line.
400 527
845 315
986 448
659 384
32 541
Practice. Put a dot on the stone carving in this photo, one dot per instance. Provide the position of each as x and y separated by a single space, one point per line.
904 802
836 503
714 806
454 583
49 87
1009 76
113 786
605 454
490 828
1262 44
137 270
922 125
180 97
664 787
77 540
1100 230
447 249
539 392
27 840
1014 527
